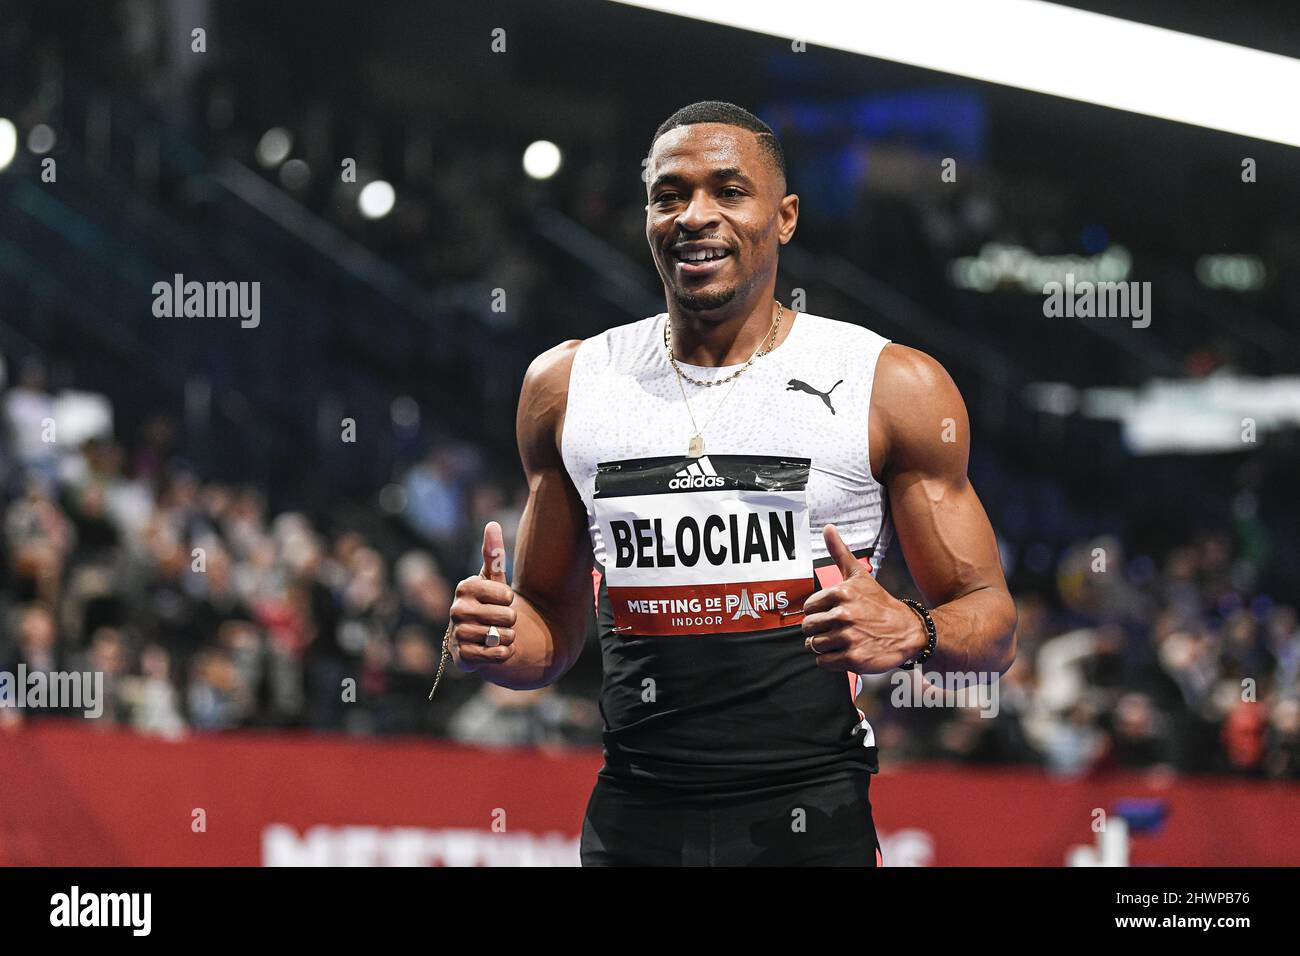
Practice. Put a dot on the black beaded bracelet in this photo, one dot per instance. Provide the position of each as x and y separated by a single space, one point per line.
924 656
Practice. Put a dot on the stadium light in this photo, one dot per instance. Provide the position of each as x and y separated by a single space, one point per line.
1043 48
295 174
542 159
41 139
274 146
376 200
8 142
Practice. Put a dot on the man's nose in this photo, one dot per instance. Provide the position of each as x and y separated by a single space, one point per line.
699 213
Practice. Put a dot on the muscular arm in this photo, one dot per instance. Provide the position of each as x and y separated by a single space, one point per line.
920 446
552 570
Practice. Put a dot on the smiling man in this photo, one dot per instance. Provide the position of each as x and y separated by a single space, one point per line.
736 470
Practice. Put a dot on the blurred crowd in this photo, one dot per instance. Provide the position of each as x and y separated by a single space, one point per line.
1129 663
205 612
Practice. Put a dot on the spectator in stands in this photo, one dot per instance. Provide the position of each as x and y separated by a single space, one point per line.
40 539
108 656
1138 734
498 717
1283 740
29 421
436 500
415 661
155 448
1244 738
218 697
37 650
424 593
1073 745
152 696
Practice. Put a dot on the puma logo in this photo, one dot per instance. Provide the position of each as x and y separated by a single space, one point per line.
794 385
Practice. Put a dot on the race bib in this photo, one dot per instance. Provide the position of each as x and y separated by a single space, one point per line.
717 544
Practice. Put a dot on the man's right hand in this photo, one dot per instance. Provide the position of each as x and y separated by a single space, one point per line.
483 601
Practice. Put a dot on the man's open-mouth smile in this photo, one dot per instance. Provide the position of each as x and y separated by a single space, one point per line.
699 258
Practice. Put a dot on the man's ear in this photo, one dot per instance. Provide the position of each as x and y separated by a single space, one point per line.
788 214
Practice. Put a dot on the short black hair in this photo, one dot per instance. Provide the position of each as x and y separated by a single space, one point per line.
729 114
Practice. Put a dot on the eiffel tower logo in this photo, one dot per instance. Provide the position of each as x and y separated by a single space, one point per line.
746 607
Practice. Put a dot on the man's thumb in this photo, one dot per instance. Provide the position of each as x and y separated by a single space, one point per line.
839 551
494 553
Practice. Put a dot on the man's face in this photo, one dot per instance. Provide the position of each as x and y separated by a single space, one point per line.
716 214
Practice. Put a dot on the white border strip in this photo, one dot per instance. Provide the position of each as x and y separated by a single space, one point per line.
1044 48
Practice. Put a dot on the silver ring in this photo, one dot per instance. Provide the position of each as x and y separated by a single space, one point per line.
811 646
493 637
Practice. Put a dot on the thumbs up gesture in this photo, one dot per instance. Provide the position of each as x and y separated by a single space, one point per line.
482 615
857 626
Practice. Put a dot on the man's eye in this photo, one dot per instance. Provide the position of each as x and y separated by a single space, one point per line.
664 197
731 192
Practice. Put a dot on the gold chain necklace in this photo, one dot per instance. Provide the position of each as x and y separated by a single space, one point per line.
771 341
696 447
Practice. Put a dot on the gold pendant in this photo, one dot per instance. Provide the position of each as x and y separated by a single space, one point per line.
696 448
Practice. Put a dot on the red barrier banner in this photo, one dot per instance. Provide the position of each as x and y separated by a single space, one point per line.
73 796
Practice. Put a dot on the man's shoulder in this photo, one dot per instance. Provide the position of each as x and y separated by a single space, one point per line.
913 400
907 374
544 397
554 366
543 401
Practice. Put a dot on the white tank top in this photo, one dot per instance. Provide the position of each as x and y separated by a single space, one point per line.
704 563
808 398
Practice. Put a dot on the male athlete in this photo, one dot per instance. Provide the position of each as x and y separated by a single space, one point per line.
735 537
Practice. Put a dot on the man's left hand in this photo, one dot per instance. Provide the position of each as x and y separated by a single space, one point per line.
857 626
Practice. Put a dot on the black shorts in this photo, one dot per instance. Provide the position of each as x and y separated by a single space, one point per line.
807 824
